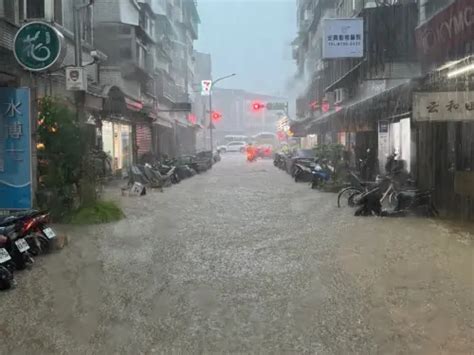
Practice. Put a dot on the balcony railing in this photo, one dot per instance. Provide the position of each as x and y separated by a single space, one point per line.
168 90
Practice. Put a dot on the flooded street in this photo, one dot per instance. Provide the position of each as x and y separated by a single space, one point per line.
242 259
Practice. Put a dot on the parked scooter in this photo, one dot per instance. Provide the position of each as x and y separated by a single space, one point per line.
321 174
303 170
33 227
7 280
16 246
168 168
279 161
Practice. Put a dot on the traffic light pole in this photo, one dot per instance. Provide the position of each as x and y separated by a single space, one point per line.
211 124
210 120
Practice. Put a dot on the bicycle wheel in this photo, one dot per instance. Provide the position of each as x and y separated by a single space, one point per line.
346 196
393 199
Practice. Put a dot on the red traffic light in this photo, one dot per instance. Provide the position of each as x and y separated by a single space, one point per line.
257 106
216 116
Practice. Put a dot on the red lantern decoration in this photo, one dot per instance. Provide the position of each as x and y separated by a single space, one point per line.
314 105
192 118
325 106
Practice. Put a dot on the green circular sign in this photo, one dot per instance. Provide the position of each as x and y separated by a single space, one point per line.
39 46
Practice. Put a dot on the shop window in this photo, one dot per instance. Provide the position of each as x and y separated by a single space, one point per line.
40 9
58 11
35 8
8 10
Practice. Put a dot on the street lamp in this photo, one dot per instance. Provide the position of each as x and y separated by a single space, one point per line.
210 105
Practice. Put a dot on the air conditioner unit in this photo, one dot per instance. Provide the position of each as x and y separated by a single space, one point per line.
341 95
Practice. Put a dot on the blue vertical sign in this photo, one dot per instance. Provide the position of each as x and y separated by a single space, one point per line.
15 149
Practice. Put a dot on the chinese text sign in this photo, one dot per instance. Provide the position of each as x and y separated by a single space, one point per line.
343 38
15 149
443 106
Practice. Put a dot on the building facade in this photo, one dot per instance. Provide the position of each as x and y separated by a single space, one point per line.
138 57
58 13
371 102
149 45
443 105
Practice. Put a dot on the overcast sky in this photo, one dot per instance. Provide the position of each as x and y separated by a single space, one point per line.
251 38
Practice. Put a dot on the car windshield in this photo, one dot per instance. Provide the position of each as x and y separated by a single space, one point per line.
236 177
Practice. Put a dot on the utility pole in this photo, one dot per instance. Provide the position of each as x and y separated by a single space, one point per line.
78 6
211 124
77 35
210 106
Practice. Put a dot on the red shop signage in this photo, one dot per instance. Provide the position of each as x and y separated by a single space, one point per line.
446 31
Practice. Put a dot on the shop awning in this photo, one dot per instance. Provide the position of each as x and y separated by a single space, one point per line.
133 105
351 76
163 122
362 115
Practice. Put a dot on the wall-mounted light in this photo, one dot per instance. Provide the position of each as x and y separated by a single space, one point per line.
466 69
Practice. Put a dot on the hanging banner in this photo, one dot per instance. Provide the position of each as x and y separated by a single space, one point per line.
343 38
15 149
443 106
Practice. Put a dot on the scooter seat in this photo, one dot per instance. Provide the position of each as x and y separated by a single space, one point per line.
5 230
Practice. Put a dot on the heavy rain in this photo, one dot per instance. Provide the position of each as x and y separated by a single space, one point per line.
236 176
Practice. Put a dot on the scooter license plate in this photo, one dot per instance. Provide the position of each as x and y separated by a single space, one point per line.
22 245
4 256
48 232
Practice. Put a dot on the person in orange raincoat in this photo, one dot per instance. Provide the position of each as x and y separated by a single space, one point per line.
251 152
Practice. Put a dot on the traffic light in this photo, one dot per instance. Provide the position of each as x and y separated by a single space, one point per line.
216 116
257 106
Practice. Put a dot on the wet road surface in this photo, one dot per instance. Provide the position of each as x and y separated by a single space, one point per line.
242 259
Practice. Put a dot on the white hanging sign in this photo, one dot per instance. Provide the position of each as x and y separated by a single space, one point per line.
206 86
76 79
343 38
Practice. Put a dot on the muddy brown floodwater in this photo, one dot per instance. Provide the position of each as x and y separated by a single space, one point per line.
242 259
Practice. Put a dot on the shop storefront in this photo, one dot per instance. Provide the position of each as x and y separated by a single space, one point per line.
118 131
443 109
117 143
371 128
395 136
163 136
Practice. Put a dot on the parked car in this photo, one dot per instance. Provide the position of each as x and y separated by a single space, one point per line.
236 147
221 149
